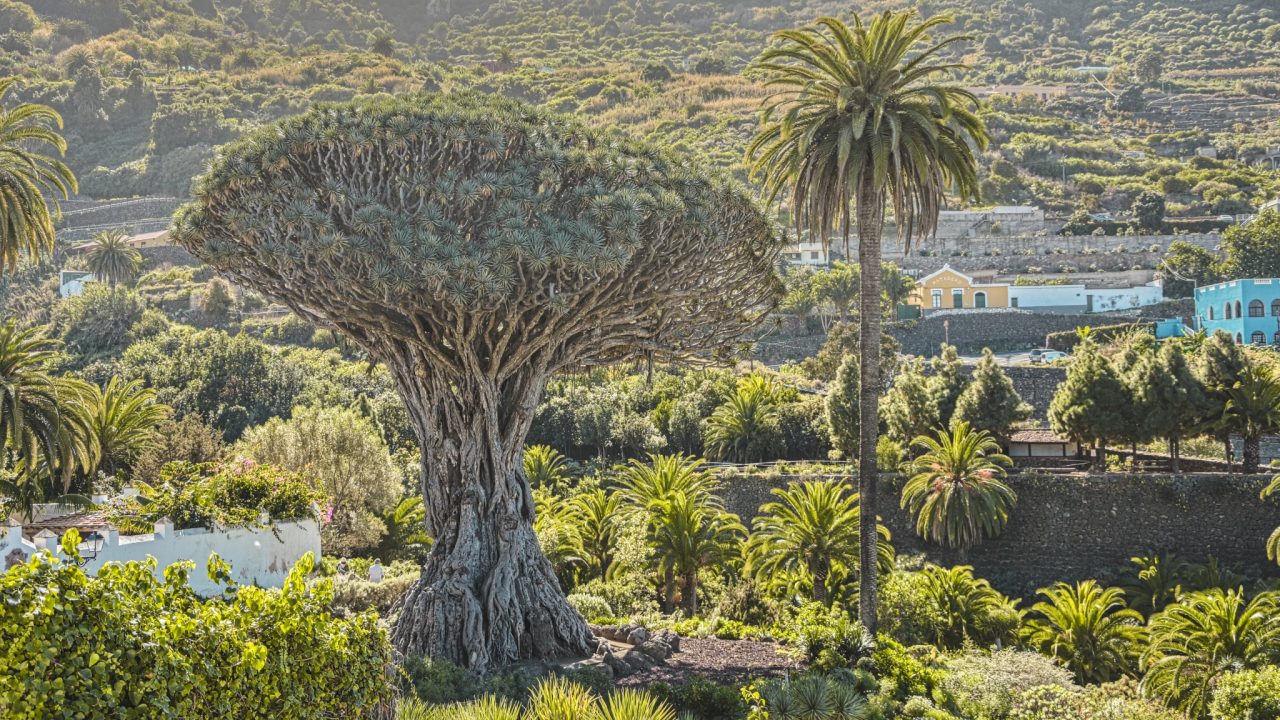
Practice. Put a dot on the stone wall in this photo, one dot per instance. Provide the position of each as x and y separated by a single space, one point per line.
1048 245
1000 330
1080 526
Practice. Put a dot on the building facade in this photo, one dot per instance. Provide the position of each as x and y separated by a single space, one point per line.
806 253
948 289
1247 310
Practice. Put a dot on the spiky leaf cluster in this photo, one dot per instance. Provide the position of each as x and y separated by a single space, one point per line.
478 220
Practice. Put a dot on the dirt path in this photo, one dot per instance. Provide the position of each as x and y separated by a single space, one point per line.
721 661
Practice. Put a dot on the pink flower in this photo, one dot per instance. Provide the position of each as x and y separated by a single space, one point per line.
327 515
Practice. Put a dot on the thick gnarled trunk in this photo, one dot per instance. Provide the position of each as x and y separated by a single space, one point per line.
488 597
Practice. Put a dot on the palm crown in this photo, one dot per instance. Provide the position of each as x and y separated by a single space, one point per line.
854 109
957 492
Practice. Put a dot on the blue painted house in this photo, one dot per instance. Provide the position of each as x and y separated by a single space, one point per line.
1248 310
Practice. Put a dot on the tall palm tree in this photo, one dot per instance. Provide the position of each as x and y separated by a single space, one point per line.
812 526
1253 410
27 176
1088 629
122 424
957 493
44 433
112 259
1203 636
689 533
863 118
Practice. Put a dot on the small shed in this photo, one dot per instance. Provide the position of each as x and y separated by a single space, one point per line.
1041 443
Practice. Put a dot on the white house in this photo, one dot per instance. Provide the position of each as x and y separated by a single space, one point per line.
72 282
1081 298
806 253
259 556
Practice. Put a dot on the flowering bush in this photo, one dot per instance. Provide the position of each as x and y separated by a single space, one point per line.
127 645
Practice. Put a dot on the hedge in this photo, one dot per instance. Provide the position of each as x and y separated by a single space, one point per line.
125 644
1067 340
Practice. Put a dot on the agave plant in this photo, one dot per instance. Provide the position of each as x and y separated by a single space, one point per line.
1086 628
1203 636
813 697
552 699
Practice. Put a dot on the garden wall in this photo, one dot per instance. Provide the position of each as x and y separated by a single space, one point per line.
1000 330
1079 526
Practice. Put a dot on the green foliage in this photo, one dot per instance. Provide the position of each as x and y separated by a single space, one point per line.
811 529
827 638
112 259
704 699
996 686
552 698
745 428
545 467
909 409
990 402
99 321
1089 406
229 495
1253 249
814 695
843 411
30 181
126 645
122 425
957 492
340 453
354 594
947 383
969 609
1197 640
1252 694
1185 267
1088 629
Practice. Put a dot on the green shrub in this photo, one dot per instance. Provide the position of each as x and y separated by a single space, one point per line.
552 699
127 645
907 610
1122 700
701 697
592 607
992 686
354 594
1247 695
438 682
827 638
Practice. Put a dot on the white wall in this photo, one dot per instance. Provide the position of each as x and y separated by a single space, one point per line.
1104 299
258 556
1125 298
1032 296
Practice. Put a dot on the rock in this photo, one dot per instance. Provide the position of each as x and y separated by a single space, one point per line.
639 661
596 664
656 649
619 666
669 637
637 636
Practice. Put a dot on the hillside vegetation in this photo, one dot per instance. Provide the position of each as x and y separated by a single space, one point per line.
149 88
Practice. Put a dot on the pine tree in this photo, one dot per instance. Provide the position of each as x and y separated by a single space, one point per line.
1089 406
842 408
908 410
947 383
1170 398
991 402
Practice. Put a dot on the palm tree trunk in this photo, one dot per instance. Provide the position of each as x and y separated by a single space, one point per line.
668 590
870 209
1175 453
691 593
818 571
1252 449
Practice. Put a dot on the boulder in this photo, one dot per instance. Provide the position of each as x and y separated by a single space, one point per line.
656 649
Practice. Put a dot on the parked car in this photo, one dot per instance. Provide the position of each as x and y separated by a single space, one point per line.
1045 355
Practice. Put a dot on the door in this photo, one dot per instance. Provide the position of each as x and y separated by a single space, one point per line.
980 300
957 298
1088 303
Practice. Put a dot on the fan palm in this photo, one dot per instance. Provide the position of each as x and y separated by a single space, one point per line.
972 610
27 177
812 526
44 432
544 466
122 424
1273 542
1196 640
688 533
957 492
862 118
598 513
112 259
745 428
1088 629
1253 410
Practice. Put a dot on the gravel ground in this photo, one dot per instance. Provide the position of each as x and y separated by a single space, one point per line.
721 661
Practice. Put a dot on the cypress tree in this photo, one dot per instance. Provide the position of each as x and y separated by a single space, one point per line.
991 402
948 382
1219 365
842 408
908 410
1171 397
1089 406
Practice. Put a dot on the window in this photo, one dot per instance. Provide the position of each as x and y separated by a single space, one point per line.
1257 309
1239 339
957 297
813 254
937 298
1238 313
1275 308
1226 311
1277 338
1258 338
1210 312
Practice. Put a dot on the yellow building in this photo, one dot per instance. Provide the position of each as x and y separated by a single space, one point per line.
947 288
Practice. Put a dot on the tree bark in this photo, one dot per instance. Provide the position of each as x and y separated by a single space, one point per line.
818 571
1252 450
870 212
488 597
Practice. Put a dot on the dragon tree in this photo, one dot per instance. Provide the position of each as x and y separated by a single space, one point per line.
476 246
